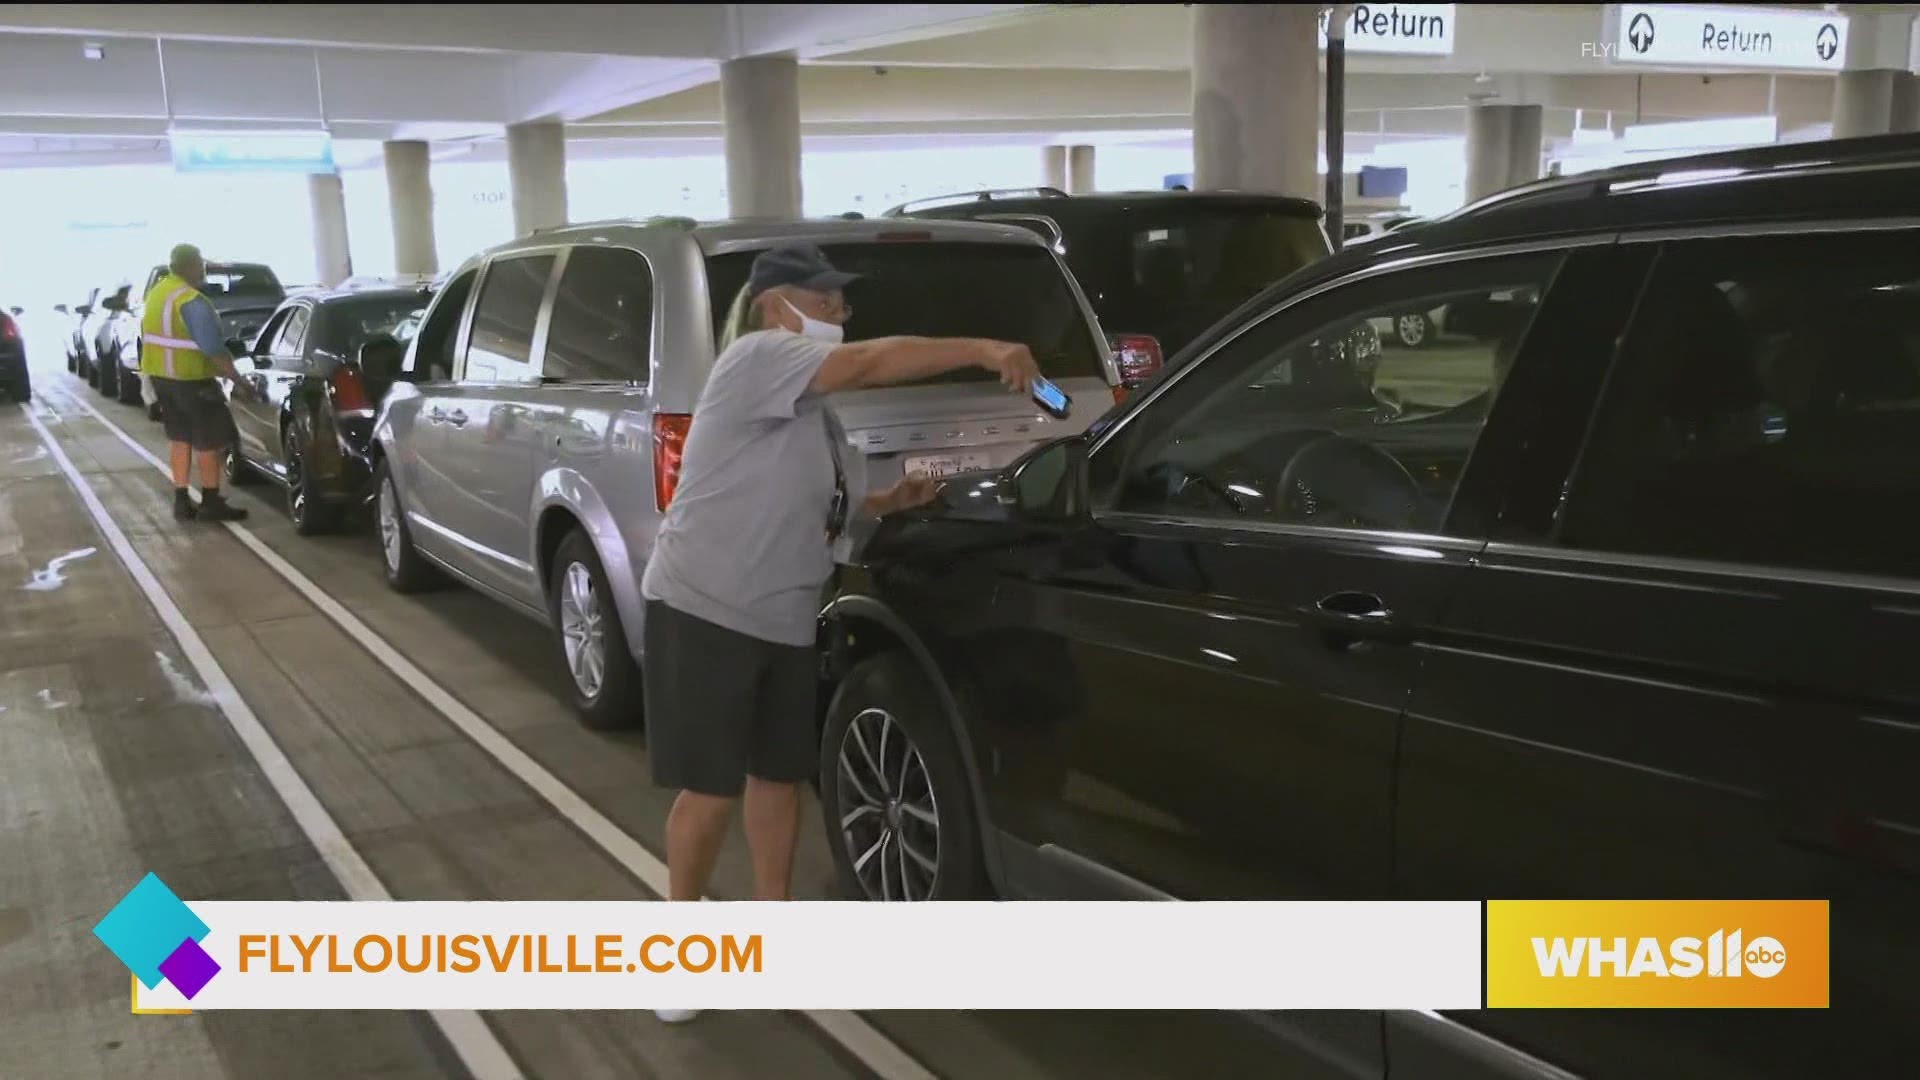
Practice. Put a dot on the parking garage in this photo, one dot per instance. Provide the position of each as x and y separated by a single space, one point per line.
1448 435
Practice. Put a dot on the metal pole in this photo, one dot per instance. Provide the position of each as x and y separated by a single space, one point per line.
1336 120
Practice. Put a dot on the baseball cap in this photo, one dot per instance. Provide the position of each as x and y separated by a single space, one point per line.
799 264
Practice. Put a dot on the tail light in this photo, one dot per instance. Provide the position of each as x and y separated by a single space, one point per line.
669 444
8 330
349 391
1138 356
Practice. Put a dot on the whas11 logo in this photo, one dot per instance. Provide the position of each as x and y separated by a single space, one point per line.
1719 955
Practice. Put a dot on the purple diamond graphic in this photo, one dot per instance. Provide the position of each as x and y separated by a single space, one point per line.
189 968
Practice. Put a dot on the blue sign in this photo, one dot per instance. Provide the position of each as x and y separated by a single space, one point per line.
1173 181
252 151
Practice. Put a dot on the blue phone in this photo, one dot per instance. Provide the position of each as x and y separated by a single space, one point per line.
1051 398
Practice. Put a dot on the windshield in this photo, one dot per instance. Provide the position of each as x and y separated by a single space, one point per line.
932 289
243 323
353 323
1174 269
241 279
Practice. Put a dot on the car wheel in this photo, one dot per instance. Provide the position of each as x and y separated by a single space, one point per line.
72 364
153 412
310 514
109 381
235 468
129 387
1412 329
592 643
899 810
406 569
23 390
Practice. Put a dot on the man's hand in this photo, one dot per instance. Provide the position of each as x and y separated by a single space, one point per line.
916 489
1013 363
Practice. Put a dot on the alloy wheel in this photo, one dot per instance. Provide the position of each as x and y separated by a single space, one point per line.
889 816
296 483
582 634
390 526
1412 328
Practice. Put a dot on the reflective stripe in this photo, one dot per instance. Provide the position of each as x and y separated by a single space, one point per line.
169 343
178 343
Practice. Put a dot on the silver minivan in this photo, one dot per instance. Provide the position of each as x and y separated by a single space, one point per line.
533 438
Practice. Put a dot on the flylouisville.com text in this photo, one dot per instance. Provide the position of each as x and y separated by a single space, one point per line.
466 954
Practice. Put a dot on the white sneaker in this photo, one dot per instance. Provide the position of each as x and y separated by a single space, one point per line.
675 1016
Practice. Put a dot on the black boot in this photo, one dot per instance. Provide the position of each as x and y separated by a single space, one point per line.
183 508
214 507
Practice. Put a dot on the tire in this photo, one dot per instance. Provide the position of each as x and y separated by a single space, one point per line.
108 382
129 387
888 697
310 515
153 412
73 365
236 469
586 623
1413 330
406 570
23 390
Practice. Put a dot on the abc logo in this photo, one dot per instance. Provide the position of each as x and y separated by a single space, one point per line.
1764 957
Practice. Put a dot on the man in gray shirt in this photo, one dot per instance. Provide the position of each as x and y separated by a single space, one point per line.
734 583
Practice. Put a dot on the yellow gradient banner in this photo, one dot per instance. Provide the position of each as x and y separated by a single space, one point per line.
1667 954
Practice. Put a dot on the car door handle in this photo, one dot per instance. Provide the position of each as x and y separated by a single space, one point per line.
1352 617
457 418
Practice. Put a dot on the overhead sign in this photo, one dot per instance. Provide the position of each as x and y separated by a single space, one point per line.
252 151
1406 29
1696 35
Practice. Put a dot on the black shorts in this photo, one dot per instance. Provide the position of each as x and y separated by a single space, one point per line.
722 705
195 411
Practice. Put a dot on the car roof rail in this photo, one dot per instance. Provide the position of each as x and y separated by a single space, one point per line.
962 198
676 221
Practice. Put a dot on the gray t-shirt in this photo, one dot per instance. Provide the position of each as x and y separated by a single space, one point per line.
744 543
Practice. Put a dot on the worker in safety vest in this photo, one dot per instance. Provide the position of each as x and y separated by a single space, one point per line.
182 354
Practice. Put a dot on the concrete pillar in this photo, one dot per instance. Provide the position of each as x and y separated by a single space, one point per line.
1256 98
410 198
1863 103
332 262
1905 114
760 107
537 170
1053 167
1503 147
1080 171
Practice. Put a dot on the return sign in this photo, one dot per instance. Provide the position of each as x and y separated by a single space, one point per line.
1695 35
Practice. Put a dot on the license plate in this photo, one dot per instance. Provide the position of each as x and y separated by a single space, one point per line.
937 465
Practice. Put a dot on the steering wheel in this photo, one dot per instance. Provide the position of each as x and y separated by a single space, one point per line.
1336 480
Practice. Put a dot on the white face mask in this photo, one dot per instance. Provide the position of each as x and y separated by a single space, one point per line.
831 333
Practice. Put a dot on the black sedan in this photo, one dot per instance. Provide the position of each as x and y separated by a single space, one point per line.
307 423
14 380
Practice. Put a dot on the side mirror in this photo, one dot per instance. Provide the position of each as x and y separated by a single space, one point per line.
237 348
18 311
61 308
380 363
84 310
1050 483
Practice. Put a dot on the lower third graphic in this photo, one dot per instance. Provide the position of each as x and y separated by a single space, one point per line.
158 937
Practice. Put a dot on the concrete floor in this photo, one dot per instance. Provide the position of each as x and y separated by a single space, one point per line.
113 763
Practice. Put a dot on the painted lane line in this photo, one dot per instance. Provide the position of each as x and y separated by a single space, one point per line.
471 1038
851 1031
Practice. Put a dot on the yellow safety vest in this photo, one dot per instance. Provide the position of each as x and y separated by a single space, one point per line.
167 348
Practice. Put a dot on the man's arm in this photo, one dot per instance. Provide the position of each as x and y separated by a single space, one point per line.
203 324
891 360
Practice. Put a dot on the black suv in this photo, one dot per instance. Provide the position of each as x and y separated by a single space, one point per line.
1159 267
1609 596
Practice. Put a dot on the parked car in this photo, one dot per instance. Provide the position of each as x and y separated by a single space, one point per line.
536 438
1365 227
308 423
1612 599
15 380
243 295
114 325
1159 267
76 334
95 332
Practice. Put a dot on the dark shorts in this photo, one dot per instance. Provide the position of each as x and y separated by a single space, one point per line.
195 411
722 706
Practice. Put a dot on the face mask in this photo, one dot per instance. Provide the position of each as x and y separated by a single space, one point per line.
831 333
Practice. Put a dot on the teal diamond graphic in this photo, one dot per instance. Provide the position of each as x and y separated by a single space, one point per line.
146 926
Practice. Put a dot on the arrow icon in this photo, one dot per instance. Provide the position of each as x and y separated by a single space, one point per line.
1640 32
1827 42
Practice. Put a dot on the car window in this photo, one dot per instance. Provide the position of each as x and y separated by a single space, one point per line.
350 324
262 338
602 318
1013 292
1321 420
503 322
1765 409
241 280
293 335
439 332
